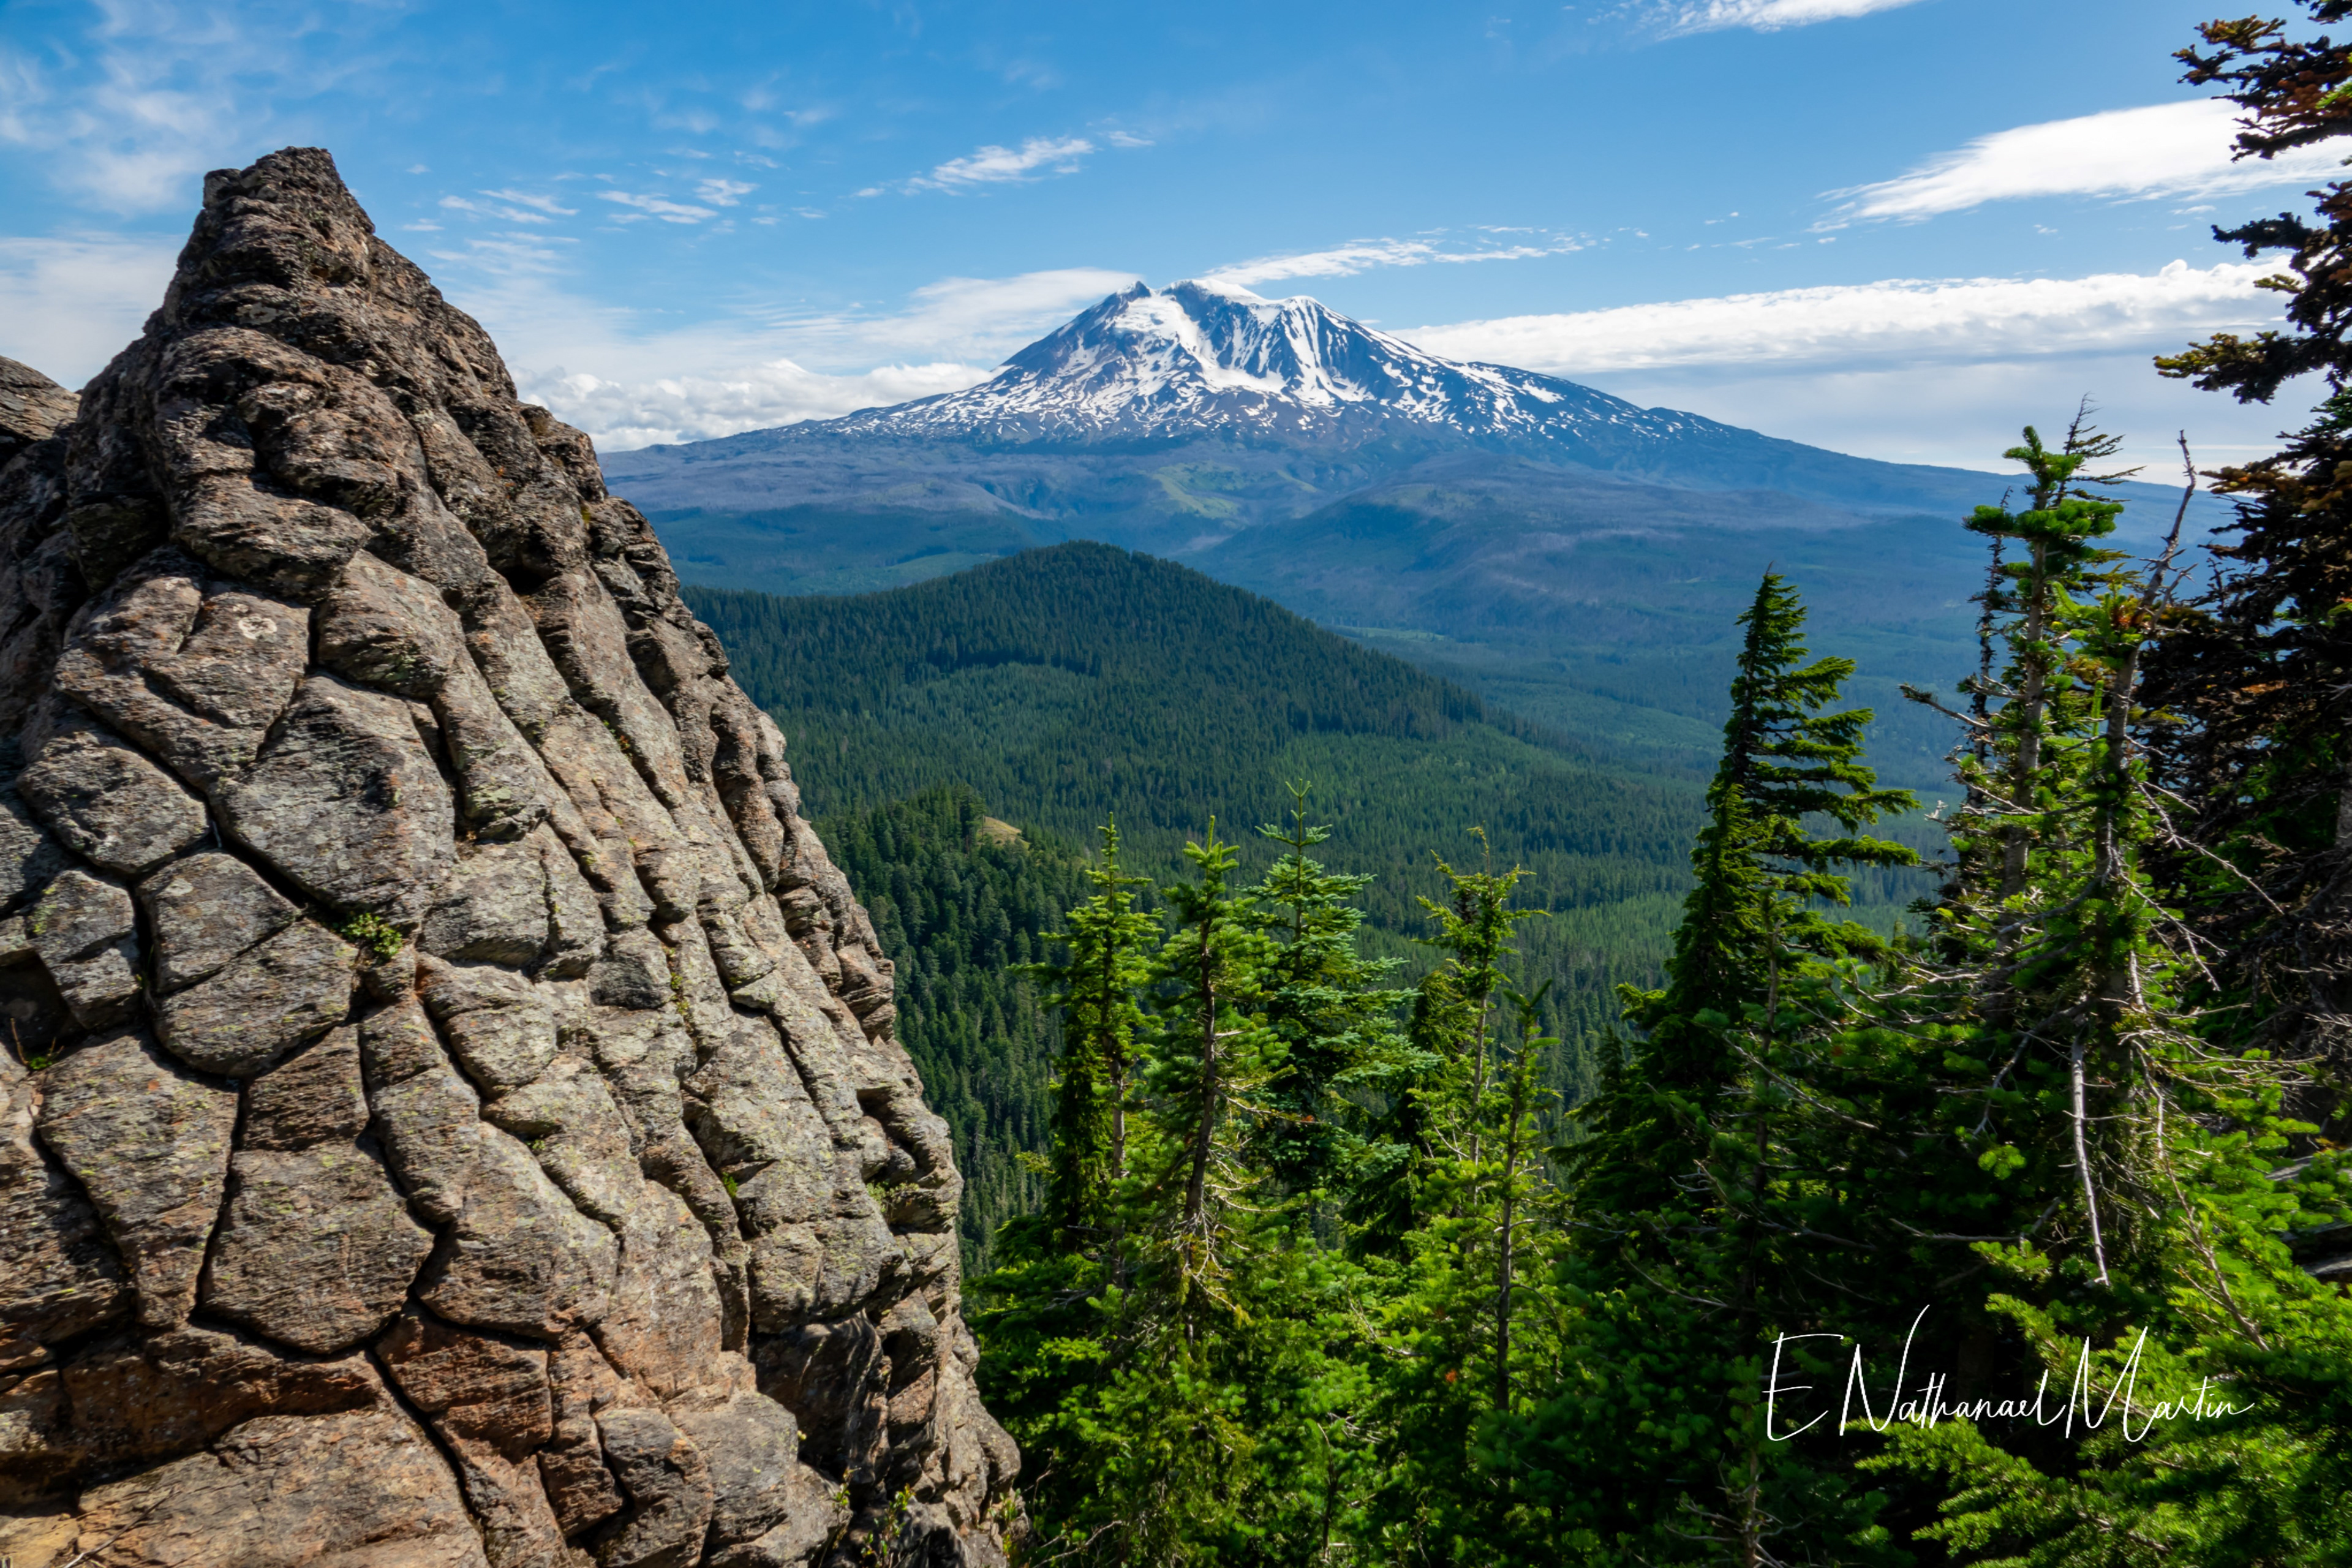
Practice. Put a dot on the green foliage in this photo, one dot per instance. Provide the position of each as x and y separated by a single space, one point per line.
1323 1273
962 910
1177 1364
372 934
1174 695
1094 988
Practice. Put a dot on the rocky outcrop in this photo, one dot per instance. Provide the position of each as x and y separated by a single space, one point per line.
32 408
449 1111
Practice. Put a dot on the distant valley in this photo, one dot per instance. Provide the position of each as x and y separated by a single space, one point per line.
1573 557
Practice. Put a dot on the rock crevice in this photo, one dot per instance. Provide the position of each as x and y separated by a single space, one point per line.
450 1111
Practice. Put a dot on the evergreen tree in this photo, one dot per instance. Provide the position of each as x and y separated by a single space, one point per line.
2256 670
1699 1193
2173 1090
1095 989
1176 1360
1470 1219
1759 875
2130 1143
1333 1024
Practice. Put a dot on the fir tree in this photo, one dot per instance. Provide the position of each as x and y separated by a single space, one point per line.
2131 1143
1699 1190
1759 875
1334 1025
1095 988
2255 668
1451 1285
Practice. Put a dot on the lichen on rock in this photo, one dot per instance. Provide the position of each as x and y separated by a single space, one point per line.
449 1108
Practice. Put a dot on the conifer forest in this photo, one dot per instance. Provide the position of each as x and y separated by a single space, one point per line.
1766 1166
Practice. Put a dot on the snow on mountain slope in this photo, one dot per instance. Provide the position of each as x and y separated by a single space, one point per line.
1197 357
1191 411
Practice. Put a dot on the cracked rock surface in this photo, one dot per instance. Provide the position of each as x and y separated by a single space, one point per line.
450 1106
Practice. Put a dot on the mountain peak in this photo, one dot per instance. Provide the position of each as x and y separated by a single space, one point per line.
1203 356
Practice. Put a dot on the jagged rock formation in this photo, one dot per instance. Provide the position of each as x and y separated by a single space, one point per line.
449 1113
32 408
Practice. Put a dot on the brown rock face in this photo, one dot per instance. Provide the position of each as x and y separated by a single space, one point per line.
449 1111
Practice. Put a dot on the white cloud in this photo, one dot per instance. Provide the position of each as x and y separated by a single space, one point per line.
629 383
68 305
505 213
993 165
547 205
1767 15
126 116
1363 255
624 415
509 255
1904 320
1914 370
1964 415
984 319
2162 149
661 208
723 192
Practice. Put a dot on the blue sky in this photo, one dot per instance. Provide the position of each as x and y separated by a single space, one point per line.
1897 227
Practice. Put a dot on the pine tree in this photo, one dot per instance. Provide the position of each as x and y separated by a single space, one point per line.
1171 1345
1699 1193
2131 1144
1760 876
1333 1023
1470 1219
2172 1027
2255 668
1095 988
1207 1063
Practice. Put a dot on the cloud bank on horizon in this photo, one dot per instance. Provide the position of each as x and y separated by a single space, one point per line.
1899 321
1875 327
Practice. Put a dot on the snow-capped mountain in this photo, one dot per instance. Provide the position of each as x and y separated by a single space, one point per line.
1197 357
1283 446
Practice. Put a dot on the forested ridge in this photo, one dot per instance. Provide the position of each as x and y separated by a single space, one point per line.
1081 683
1072 685
2014 1236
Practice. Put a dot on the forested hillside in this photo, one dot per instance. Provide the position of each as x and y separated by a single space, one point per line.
1073 685
1069 686
963 904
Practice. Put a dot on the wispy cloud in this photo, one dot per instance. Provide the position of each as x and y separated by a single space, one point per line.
500 210
1363 255
509 254
993 165
984 319
1935 371
69 304
1767 15
631 383
532 199
1904 320
2163 150
723 192
623 416
126 116
661 208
